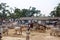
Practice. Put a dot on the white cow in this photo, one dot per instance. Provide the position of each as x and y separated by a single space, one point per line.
17 28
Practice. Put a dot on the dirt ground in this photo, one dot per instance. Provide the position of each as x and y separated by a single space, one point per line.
33 36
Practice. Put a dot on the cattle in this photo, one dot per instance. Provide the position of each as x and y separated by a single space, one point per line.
18 29
39 27
5 29
56 31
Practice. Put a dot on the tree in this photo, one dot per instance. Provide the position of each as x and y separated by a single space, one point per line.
3 10
18 13
26 12
31 11
56 11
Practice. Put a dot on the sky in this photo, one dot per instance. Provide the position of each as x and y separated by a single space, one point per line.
45 6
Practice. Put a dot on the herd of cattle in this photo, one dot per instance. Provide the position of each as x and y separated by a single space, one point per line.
18 27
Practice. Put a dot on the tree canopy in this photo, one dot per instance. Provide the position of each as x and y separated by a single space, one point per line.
56 11
17 13
26 12
3 10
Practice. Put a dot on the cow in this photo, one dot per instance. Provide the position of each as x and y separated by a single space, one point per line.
18 29
56 30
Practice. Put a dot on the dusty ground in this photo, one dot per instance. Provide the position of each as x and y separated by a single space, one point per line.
33 36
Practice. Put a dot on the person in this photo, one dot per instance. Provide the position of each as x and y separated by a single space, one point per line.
3 21
28 31
30 25
55 24
27 35
0 29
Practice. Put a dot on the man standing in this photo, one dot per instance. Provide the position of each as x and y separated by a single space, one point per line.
28 30
0 29
30 25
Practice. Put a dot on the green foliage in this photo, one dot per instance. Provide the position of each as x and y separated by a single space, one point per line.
56 11
3 10
17 12
32 11
25 12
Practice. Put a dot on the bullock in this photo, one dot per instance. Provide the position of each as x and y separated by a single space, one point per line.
18 29
38 26
56 31
5 29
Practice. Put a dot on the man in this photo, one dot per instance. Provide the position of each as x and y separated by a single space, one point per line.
0 29
28 30
30 25
55 24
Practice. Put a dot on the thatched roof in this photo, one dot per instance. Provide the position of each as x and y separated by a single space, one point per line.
38 18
